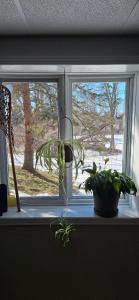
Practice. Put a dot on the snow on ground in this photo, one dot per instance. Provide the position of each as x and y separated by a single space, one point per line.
22 194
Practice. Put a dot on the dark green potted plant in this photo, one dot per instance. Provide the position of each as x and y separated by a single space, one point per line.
106 186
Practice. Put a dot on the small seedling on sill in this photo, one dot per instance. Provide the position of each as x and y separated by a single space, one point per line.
64 231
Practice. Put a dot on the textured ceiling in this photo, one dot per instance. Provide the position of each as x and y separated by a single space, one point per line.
69 16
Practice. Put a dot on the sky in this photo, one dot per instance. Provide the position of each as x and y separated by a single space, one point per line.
95 87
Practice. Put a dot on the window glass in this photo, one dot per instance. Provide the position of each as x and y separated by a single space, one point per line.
98 113
35 120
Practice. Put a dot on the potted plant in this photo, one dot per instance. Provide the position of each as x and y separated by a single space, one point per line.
107 185
56 153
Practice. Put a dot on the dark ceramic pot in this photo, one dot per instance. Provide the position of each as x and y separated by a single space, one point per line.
106 202
68 153
3 198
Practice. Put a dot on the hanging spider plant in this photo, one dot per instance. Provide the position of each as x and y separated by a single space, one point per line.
66 151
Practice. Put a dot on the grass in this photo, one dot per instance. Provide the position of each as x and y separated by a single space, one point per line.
34 184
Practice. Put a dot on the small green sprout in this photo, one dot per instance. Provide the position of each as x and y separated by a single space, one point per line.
64 231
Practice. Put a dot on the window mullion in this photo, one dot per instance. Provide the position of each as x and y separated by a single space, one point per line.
3 159
61 114
68 136
126 163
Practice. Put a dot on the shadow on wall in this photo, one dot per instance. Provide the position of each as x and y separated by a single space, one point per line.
102 262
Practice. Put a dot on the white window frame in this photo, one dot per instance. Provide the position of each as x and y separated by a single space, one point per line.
66 75
36 200
129 79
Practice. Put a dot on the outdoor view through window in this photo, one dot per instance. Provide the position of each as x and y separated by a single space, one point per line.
98 121
98 112
35 120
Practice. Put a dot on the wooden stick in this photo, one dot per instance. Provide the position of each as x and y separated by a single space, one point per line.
14 175
12 157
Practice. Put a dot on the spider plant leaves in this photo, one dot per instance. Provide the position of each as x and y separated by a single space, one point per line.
44 154
64 232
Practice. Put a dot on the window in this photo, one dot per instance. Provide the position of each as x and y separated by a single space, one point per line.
98 113
35 119
100 108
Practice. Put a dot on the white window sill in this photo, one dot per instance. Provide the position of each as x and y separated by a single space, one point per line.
80 214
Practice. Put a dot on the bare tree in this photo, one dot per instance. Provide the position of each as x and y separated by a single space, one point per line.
88 116
28 151
34 109
111 95
95 109
22 94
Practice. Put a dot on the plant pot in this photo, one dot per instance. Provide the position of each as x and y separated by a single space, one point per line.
106 202
3 197
68 153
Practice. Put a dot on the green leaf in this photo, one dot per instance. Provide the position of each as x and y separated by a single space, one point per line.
94 168
106 178
117 184
106 160
64 232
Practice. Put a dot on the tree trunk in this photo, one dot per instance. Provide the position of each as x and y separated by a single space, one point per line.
28 152
112 142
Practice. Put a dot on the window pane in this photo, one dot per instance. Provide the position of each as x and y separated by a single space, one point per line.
35 120
98 110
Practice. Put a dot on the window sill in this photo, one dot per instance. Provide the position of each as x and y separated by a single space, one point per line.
77 214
